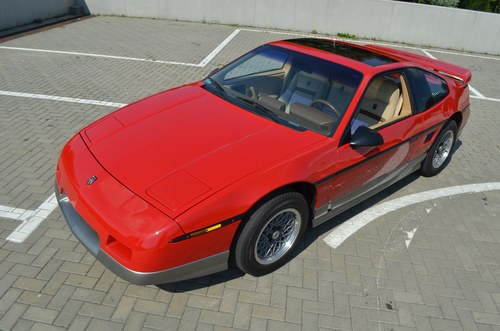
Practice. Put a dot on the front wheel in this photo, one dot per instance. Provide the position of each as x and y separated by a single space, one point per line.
271 234
440 153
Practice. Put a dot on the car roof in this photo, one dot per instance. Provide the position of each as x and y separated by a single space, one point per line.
372 59
348 50
361 58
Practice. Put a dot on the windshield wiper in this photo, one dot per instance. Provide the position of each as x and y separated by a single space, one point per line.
257 106
217 85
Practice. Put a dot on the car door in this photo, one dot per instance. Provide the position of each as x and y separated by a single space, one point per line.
386 109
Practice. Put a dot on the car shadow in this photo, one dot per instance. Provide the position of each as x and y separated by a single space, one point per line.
311 236
457 145
203 282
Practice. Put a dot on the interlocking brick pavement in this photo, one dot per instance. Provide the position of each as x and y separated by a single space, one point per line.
447 279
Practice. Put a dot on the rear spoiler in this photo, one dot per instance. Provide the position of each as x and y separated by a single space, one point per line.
459 73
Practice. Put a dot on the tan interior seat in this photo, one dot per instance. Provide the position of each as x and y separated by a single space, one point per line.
304 88
382 102
340 96
311 117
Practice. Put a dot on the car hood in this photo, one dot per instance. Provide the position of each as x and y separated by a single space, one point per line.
178 147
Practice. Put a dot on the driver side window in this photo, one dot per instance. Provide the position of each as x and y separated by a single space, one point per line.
385 100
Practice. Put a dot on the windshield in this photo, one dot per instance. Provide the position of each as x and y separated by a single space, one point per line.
297 90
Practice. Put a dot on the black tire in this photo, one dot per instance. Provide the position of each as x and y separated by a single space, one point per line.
280 221
439 155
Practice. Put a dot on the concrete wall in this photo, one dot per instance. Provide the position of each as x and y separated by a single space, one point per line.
381 19
14 13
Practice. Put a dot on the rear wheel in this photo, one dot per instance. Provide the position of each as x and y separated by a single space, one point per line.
271 234
440 153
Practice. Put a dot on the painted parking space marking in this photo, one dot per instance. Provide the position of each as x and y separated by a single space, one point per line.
476 92
217 49
203 62
14 213
409 235
351 226
485 98
426 52
65 99
115 57
31 219
467 55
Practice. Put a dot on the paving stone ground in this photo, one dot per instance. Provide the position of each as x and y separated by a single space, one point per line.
447 279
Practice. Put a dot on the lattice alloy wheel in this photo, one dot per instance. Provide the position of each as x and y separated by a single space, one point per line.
440 152
271 233
443 149
277 236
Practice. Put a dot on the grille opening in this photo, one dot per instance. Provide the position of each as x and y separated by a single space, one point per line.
118 248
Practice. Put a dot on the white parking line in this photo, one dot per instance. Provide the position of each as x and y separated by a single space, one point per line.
65 99
97 55
484 98
467 55
349 227
294 34
428 54
203 62
476 92
216 51
31 219
14 213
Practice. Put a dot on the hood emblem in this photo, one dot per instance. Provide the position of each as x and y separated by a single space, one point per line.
91 180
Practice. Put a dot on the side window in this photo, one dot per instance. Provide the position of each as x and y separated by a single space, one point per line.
439 88
385 100
428 88
265 61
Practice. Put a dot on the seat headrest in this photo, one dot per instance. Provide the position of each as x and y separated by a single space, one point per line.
372 91
387 91
310 82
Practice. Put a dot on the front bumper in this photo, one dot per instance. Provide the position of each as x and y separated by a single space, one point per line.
127 234
90 239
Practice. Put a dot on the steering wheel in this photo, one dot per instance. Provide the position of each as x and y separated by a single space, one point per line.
330 109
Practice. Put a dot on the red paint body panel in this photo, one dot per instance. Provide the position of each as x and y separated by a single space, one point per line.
114 211
213 140
185 159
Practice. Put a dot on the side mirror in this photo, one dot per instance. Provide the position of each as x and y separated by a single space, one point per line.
364 136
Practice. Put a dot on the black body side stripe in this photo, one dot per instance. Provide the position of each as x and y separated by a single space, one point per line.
411 139
207 229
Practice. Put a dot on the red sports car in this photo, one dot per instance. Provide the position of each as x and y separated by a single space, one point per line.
238 166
